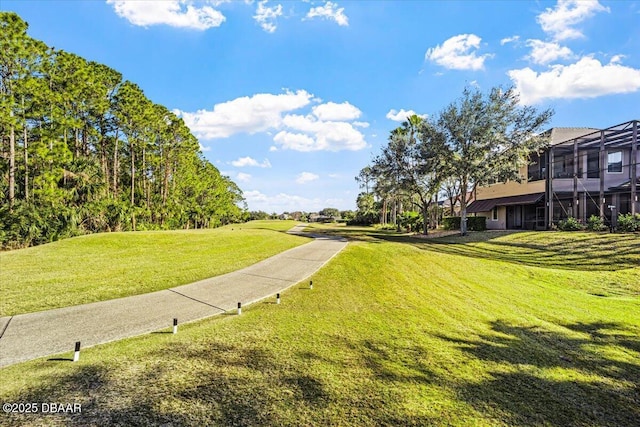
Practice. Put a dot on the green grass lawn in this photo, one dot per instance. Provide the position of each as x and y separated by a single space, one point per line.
99 267
396 331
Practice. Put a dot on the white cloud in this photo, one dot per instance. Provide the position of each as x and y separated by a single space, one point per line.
305 177
248 161
560 21
587 78
327 135
273 148
616 59
266 16
243 177
333 111
257 113
402 115
546 52
330 11
294 141
282 202
458 53
509 40
267 112
204 148
175 13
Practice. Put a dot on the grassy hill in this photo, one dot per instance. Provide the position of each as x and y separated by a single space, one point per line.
494 329
98 267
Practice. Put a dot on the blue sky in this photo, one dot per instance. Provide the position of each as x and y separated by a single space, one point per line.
292 98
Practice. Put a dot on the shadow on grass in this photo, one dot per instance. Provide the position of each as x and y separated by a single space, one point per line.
208 398
285 231
569 251
393 363
536 377
81 385
229 385
549 378
357 233
597 252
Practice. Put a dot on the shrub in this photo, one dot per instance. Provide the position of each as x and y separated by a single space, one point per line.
451 223
361 218
629 223
570 224
595 223
391 227
474 223
477 223
409 220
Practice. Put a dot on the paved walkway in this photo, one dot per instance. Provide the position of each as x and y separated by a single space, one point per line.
33 335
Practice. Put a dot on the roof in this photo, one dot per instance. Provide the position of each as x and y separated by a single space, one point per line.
561 134
624 134
488 204
625 185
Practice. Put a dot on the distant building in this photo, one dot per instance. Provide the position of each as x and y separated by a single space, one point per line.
316 217
446 204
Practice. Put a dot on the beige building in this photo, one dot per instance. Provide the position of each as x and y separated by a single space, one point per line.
583 172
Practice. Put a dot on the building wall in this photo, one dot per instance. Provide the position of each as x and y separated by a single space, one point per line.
588 188
611 179
511 188
500 224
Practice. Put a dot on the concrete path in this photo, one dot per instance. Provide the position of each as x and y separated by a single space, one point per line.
29 336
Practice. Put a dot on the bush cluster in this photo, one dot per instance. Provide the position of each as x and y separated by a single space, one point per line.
595 223
477 223
474 223
451 223
390 227
629 223
410 220
368 217
570 224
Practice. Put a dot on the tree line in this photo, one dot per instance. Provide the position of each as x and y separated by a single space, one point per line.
84 151
333 213
476 140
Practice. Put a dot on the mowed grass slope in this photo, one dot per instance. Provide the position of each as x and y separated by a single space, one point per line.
99 267
393 333
607 256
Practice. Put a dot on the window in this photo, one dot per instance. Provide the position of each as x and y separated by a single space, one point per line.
537 167
593 164
614 162
563 166
494 214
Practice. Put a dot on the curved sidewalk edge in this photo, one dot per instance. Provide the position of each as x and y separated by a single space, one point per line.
33 335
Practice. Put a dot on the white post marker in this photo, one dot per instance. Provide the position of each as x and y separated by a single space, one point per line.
277 298
239 308
310 284
76 354
175 325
